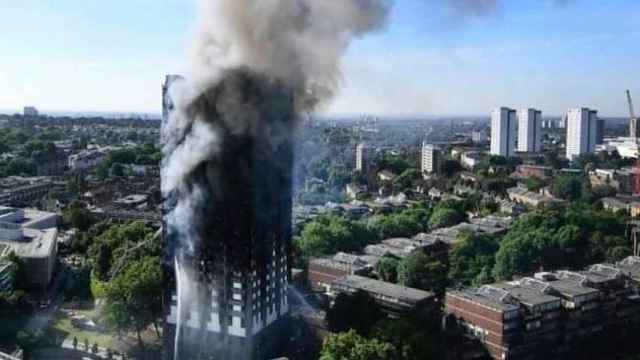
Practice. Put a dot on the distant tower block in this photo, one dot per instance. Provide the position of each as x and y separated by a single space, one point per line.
581 132
363 157
30 111
600 131
431 157
529 130
503 132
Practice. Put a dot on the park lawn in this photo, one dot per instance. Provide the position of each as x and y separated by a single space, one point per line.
62 329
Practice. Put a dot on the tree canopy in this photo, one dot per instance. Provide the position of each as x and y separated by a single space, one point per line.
357 311
422 272
472 258
327 235
133 299
351 346
574 237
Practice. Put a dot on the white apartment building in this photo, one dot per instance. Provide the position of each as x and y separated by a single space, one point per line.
581 131
503 132
430 159
362 156
529 130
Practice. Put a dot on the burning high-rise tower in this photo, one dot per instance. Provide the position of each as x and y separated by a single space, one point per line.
241 265
227 164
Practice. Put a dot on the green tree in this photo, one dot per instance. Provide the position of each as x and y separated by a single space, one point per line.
117 169
19 275
566 187
133 299
102 170
444 217
327 235
422 272
534 183
117 245
450 168
470 256
404 224
78 216
351 346
387 268
357 311
405 181
414 336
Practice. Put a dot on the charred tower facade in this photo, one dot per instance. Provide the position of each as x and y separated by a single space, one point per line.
235 277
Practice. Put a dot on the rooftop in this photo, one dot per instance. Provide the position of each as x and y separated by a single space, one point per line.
132 199
36 243
492 298
377 287
526 295
631 267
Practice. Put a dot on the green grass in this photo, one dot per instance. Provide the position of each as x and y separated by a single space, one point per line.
63 329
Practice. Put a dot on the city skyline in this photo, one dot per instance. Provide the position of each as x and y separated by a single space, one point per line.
445 60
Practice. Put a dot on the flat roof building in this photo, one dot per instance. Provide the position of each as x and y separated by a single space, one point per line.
547 315
393 299
32 236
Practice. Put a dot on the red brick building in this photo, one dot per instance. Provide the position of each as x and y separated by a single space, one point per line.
546 316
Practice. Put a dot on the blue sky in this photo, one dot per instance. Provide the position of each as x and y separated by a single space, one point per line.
432 59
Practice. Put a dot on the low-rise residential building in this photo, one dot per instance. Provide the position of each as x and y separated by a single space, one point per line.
620 203
323 271
32 236
547 315
468 176
355 191
511 208
489 225
526 171
471 159
393 299
386 175
17 190
435 193
619 179
630 267
530 198
86 159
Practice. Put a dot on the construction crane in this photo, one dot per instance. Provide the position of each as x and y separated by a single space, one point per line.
633 122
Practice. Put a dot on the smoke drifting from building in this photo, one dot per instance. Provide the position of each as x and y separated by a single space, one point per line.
228 159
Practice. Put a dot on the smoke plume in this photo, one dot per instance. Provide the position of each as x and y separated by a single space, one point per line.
298 42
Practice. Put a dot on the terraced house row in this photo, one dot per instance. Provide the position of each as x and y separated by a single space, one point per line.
549 312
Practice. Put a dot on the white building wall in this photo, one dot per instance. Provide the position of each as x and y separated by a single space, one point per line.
503 132
529 130
581 132
430 158
361 157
